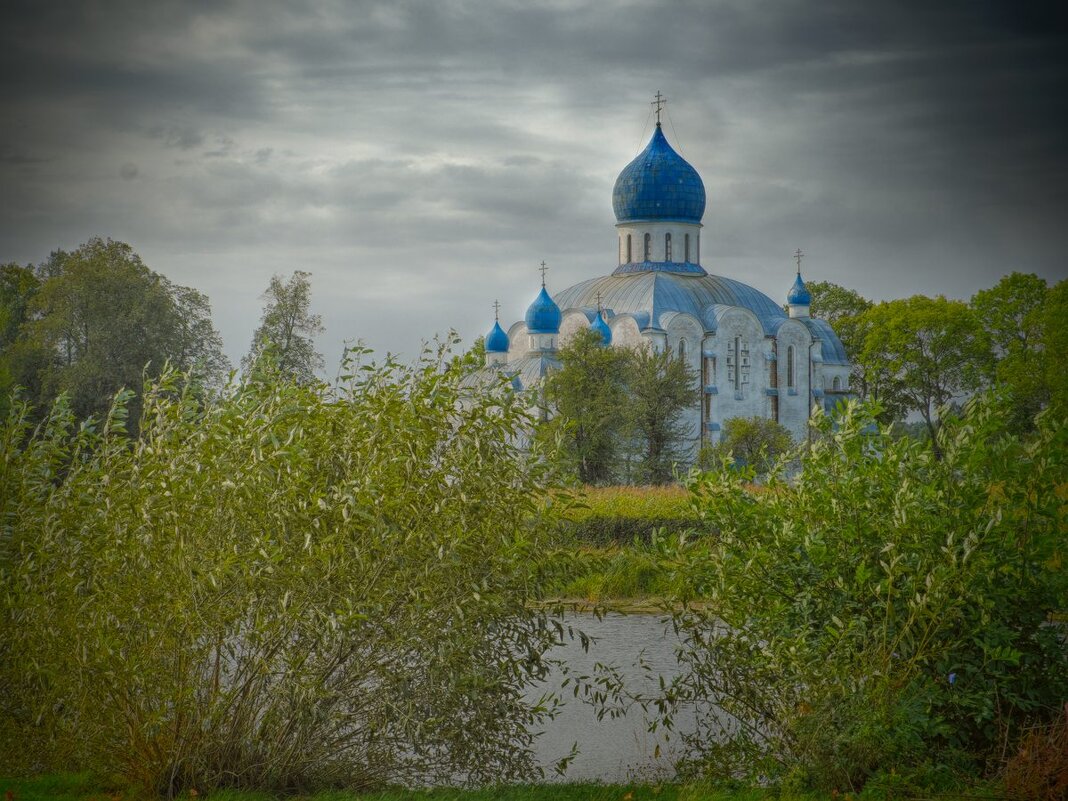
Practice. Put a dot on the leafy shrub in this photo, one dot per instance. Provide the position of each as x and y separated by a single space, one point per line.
295 587
755 442
884 609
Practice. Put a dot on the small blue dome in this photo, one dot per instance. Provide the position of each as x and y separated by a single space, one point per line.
601 327
799 295
659 185
497 340
543 316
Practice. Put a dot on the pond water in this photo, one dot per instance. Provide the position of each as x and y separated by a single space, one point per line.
622 748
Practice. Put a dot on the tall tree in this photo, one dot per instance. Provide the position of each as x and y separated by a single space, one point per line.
586 397
1055 345
105 321
20 361
844 309
660 388
933 350
1012 313
288 329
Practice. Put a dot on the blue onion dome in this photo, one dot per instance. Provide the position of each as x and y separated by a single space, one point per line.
799 294
659 185
601 327
543 316
497 340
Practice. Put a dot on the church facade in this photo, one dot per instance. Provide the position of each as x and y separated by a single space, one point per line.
753 359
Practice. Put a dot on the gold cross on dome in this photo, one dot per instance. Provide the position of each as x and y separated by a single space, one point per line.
660 102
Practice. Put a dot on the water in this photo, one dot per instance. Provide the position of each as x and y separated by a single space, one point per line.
620 749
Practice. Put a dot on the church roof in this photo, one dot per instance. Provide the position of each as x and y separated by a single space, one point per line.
799 294
543 316
649 295
659 185
497 340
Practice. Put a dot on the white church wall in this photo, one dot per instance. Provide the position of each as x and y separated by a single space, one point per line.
519 345
741 368
625 333
795 401
573 321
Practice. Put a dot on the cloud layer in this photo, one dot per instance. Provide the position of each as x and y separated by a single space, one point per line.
421 158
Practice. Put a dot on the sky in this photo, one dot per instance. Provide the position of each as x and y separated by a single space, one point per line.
420 159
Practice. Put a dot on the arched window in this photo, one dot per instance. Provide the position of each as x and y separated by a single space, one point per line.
687 243
837 385
773 367
698 259
682 345
790 367
667 247
737 363
628 249
621 249
648 246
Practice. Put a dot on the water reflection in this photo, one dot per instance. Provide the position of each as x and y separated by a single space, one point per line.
619 749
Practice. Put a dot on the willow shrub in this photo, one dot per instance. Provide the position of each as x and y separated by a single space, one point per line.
296 587
882 611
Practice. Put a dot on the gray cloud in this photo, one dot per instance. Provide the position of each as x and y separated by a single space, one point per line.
421 158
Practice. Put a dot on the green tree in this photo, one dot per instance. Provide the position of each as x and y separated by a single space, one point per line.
844 309
1055 346
295 586
925 351
586 400
881 610
756 442
288 329
104 319
20 360
660 388
1012 314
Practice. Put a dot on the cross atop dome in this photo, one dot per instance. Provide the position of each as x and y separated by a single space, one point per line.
544 270
659 103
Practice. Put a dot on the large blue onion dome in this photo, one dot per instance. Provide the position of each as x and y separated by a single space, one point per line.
659 185
599 326
497 340
543 316
799 294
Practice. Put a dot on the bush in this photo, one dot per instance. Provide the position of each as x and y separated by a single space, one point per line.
296 587
883 610
754 442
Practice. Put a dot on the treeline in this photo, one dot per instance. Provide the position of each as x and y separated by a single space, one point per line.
917 354
89 322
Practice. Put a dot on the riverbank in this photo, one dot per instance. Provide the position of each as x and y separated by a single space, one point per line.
70 787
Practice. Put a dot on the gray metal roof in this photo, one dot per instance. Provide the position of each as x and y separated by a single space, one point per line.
656 293
649 296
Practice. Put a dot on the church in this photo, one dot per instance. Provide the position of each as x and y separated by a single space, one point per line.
753 358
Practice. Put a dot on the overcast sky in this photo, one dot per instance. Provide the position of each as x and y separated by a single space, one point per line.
421 158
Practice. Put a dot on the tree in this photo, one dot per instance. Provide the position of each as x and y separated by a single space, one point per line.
1012 314
835 303
1055 346
756 442
105 321
660 387
932 350
844 309
20 361
586 398
288 329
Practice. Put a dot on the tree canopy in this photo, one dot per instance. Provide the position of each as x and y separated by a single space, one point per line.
288 329
94 320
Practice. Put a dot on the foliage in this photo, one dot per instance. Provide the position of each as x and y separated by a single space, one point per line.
1039 768
660 387
756 442
931 349
587 398
288 329
882 610
1055 345
99 320
1011 313
290 588
19 364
